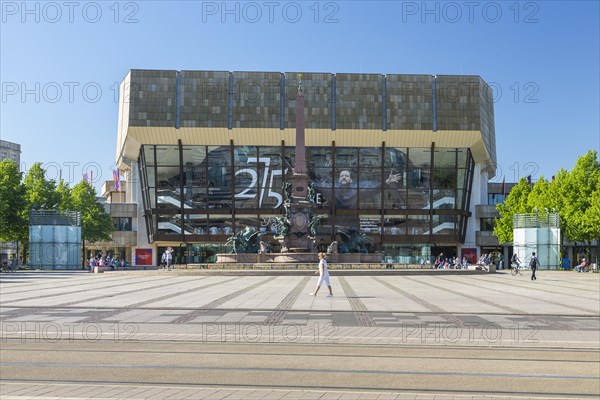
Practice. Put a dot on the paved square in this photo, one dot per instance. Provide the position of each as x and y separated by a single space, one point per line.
180 334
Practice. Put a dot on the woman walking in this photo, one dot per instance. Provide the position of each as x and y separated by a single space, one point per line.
323 276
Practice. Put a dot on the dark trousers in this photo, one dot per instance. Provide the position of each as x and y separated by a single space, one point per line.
533 273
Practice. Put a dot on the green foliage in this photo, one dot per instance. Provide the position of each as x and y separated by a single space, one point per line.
574 194
540 196
18 198
96 224
577 192
592 215
11 202
39 191
515 203
63 194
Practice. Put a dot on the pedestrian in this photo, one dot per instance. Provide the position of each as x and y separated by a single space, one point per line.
323 276
582 265
169 258
92 264
533 264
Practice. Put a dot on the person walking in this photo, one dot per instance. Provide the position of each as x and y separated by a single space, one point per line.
323 276
533 264
169 258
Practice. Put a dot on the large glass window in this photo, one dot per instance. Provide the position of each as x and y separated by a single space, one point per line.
488 224
219 176
417 225
370 225
495 198
444 178
444 225
223 189
195 181
122 223
395 225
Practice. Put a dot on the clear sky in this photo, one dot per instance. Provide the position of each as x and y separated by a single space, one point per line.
61 63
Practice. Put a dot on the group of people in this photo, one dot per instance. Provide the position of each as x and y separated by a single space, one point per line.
9 265
583 266
450 262
107 261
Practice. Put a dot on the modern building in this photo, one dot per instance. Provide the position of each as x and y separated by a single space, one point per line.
11 151
403 159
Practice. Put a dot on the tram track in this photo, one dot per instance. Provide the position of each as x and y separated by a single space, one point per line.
426 369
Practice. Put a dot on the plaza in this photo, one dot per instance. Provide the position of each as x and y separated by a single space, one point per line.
208 334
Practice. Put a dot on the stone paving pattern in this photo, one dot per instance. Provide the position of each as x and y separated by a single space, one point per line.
560 309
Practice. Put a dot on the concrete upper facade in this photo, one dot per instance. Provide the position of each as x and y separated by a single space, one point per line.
258 108
11 151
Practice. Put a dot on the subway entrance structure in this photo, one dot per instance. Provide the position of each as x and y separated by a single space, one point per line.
400 159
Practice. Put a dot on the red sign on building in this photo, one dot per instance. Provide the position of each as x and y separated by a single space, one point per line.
143 256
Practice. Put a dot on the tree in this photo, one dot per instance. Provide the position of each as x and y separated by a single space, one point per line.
11 202
516 203
592 217
576 190
39 191
574 194
96 224
540 196
63 195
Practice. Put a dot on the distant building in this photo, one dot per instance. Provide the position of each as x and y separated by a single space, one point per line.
486 215
125 219
11 151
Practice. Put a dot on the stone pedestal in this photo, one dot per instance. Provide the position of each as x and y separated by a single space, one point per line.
294 258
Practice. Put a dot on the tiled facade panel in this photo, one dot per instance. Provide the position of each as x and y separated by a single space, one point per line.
317 99
359 101
458 103
152 98
342 101
256 98
203 99
487 119
409 102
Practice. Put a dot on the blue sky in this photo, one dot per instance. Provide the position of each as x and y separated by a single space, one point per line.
61 63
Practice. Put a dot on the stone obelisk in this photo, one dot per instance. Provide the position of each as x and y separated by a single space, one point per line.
299 212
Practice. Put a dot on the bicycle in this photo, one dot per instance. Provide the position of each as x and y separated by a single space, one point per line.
516 269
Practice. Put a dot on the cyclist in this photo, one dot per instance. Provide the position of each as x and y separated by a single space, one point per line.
515 261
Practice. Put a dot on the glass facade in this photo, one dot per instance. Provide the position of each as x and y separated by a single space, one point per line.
201 195
398 158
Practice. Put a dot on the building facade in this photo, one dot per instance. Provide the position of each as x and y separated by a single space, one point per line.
11 151
124 218
402 159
